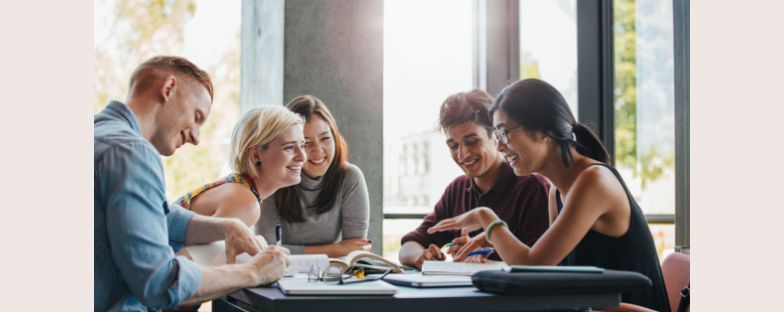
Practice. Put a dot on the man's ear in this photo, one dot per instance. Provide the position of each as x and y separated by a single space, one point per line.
167 89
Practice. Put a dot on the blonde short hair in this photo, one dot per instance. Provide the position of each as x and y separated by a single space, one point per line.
257 128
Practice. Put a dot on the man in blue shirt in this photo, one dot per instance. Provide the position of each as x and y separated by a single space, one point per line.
136 232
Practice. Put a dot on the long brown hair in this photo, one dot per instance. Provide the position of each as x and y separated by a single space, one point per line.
287 199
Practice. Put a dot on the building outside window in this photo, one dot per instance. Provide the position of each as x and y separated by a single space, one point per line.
427 57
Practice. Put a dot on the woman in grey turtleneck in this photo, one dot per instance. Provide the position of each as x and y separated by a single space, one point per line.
328 211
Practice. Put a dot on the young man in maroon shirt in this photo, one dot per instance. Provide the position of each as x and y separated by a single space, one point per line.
488 181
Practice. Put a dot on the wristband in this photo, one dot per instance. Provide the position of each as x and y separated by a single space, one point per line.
491 226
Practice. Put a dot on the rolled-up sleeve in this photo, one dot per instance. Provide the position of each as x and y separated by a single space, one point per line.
139 223
177 220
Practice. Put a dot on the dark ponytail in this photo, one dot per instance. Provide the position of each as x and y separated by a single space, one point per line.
538 106
589 144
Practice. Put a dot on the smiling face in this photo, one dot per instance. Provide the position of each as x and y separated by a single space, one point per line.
183 113
319 145
283 158
526 151
471 148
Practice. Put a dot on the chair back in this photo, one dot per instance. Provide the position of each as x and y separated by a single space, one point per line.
675 269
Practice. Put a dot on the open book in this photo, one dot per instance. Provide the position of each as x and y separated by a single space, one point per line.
365 259
460 268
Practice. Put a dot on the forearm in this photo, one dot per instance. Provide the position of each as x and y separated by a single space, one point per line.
410 252
205 230
505 243
330 249
221 280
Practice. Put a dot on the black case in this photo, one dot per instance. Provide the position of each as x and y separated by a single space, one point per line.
525 283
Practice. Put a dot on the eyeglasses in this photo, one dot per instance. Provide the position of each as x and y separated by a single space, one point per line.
502 135
334 275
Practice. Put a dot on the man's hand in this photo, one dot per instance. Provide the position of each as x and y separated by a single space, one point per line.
239 239
432 252
269 265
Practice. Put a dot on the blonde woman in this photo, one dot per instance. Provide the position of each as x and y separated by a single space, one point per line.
266 154
328 211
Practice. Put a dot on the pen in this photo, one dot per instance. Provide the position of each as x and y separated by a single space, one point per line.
277 234
482 252
367 279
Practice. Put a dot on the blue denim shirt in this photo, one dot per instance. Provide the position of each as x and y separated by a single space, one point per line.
136 232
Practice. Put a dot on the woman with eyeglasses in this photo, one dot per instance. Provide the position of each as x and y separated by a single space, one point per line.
327 213
266 154
596 221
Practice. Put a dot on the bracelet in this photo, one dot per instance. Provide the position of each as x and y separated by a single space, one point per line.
491 226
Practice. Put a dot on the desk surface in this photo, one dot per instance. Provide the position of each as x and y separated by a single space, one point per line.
409 299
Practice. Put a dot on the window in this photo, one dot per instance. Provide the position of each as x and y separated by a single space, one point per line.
644 109
206 32
548 45
427 57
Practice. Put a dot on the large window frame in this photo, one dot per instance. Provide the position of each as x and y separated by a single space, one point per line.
496 63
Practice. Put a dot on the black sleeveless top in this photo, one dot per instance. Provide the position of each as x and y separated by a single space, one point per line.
634 251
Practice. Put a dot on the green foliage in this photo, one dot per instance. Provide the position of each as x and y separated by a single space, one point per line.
142 29
650 164
529 66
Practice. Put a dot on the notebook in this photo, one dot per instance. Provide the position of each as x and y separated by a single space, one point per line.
301 286
459 268
427 281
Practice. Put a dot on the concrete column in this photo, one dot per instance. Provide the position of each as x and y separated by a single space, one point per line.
334 51
261 56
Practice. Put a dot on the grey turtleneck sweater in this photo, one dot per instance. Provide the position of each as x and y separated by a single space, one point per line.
347 219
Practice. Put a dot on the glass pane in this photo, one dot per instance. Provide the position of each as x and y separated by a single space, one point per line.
548 45
206 32
644 102
394 229
424 62
427 57
663 238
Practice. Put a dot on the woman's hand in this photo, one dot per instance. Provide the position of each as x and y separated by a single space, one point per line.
471 244
346 246
469 221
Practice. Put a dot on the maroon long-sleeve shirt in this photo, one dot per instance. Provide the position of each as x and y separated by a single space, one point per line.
520 201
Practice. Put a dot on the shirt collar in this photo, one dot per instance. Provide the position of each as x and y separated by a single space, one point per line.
311 184
119 110
505 176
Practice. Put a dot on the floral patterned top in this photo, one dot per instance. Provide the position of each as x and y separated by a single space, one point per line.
185 201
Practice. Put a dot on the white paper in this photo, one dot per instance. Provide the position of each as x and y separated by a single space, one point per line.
215 254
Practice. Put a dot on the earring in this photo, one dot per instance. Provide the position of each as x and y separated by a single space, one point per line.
258 164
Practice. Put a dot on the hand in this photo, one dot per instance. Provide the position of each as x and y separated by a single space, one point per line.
346 246
472 244
432 252
269 265
239 239
457 244
468 222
